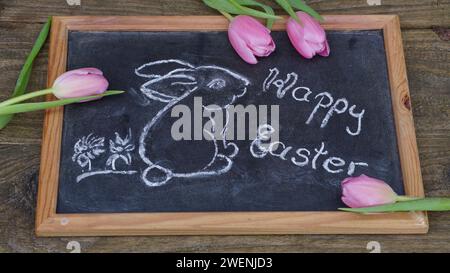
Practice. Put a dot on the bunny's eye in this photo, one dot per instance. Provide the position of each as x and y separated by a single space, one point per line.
216 84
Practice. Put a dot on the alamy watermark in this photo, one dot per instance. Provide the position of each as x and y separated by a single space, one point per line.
234 122
73 2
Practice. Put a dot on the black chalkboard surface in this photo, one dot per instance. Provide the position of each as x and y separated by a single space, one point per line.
107 145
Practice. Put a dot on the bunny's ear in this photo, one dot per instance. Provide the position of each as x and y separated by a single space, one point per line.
163 67
170 86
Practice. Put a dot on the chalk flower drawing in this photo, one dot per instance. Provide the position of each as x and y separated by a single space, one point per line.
86 149
120 149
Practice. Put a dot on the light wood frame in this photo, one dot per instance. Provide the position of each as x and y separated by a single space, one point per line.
49 223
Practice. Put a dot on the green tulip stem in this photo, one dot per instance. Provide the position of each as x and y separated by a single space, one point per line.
227 15
424 204
34 106
25 73
288 8
402 198
27 96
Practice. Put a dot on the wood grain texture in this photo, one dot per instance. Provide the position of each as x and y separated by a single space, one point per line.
48 223
401 100
413 13
428 64
52 133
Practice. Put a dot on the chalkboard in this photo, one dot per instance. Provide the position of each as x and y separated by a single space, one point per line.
355 75
203 143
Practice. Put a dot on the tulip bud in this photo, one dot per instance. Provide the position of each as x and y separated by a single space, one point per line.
309 38
80 83
250 38
364 191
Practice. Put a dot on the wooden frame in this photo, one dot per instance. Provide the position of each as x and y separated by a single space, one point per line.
49 223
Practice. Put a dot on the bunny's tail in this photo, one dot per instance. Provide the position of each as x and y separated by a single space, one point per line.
156 175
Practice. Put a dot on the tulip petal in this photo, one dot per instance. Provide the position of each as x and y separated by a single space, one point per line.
251 30
364 191
241 47
249 37
264 51
81 71
326 51
313 30
349 202
296 35
316 47
80 86
309 38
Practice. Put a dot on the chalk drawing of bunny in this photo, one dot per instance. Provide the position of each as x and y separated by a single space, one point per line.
176 82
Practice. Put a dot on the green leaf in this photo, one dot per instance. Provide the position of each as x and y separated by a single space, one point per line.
28 107
301 5
287 7
233 7
222 5
25 73
267 9
252 12
425 204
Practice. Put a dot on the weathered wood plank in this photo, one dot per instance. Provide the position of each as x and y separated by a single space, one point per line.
413 13
428 63
15 43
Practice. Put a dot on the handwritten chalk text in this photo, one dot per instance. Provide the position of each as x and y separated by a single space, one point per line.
324 101
262 146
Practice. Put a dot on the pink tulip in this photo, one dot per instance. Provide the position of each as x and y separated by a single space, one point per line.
250 38
309 38
364 191
80 83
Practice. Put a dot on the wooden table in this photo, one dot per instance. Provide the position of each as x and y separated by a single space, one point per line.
426 34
